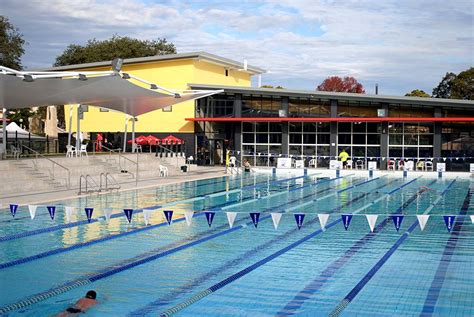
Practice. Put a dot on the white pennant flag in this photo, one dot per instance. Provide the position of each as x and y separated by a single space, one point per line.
323 220
231 218
422 220
472 219
371 219
147 215
276 216
32 209
188 216
68 211
107 214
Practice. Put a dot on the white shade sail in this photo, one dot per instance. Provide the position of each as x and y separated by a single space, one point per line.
108 90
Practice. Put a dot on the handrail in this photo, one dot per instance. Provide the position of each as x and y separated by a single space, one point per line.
68 183
106 177
176 153
120 155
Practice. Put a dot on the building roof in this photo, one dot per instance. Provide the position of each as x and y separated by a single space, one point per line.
231 64
339 95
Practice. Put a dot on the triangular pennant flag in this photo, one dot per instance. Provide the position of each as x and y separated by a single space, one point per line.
472 218
231 218
107 214
299 220
68 211
422 220
449 221
346 220
147 216
255 216
371 219
52 211
397 221
168 215
323 219
188 216
210 217
32 209
89 212
276 217
13 209
128 213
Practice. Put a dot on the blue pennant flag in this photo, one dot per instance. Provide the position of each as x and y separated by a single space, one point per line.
52 211
346 220
255 217
168 215
210 217
449 221
89 213
13 208
299 220
397 221
128 213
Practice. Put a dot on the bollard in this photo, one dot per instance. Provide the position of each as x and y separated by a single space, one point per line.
405 173
371 173
338 173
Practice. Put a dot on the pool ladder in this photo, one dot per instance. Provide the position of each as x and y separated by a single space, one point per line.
88 185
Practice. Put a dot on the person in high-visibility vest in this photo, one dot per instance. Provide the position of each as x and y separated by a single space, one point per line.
344 156
227 158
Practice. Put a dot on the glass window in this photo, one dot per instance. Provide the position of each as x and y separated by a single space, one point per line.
373 127
358 151
275 138
295 149
358 139
359 127
344 139
248 127
309 138
261 126
295 127
373 138
410 139
248 149
323 150
323 138
344 127
373 151
275 127
309 150
395 152
248 138
324 127
295 138
261 138
395 139
309 127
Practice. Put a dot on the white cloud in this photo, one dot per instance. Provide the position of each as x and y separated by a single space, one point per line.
403 45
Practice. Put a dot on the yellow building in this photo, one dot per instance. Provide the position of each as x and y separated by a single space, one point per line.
175 72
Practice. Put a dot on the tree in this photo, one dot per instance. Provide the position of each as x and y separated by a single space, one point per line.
443 90
270 86
11 45
117 46
463 85
417 93
338 84
21 117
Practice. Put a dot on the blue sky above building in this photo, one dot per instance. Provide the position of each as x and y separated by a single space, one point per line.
402 45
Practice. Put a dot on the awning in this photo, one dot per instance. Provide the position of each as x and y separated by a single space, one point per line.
14 131
336 119
171 139
111 90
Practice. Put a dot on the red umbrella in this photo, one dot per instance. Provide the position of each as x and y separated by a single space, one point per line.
152 140
171 139
141 140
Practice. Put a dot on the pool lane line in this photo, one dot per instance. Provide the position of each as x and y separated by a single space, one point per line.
367 277
314 286
86 222
159 302
177 190
111 237
440 275
111 270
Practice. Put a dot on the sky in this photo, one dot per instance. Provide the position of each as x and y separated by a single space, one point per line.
400 44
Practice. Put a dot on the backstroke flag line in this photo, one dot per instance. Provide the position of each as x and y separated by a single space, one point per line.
449 221
169 216
128 213
68 211
371 219
89 212
13 209
188 216
299 220
231 218
323 220
346 221
107 214
422 220
397 221
52 211
276 217
32 209
209 217
255 216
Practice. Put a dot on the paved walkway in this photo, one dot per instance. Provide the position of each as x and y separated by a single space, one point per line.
26 198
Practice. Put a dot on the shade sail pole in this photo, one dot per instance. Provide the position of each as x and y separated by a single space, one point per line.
134 146
71 109
125 135
4 137
78 131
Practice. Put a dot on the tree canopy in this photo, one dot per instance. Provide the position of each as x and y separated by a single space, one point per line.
271 86
460 86
338 84
117 46
11 45
417 93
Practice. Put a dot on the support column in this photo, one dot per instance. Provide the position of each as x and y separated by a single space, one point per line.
333 127
437 140
285 139
4 137
78 128
134 146
69 135
384 140
125 135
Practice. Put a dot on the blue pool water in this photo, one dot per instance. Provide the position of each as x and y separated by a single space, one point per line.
197 270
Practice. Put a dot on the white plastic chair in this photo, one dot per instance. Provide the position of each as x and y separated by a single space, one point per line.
429 165
15 152
349 164
409 165
312 163
401 165
391 165
71 151
163 171
420 165
359 164
83 150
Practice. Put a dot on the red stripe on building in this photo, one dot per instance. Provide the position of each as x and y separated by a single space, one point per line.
339 119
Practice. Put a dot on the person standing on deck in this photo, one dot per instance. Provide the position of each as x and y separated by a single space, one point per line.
344 156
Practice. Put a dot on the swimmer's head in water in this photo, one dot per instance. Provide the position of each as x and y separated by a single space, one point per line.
91 294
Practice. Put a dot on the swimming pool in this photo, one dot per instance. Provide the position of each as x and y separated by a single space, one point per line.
202 270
